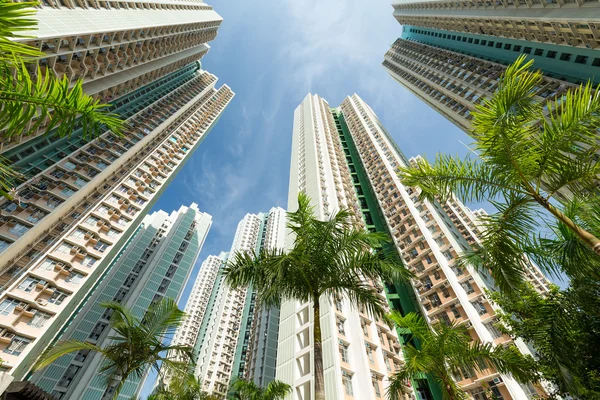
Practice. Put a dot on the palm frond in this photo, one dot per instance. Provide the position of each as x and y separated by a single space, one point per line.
398 385
469 179
502 249
162 317
276 390
8 178
62 349
23 100
16 19
413 323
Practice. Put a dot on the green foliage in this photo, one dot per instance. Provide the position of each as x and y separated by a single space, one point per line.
137 346
23 99
328 259
523 159
182 387
564 328
16 18
447 351
248 390
26 101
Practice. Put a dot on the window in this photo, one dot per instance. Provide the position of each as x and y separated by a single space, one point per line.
47 265
92 221
67 191
490 44
347 382
448 255
101 246
581 59
551 54
88 261
340 324
39 319
491 327
565 57
468 287
596 62
498 45
370 353
507 46
481 310
70 166
483 42
74 278
365 328
78 234
455 311
64 248
8 305
344 352
538 52
376 387
527 50
57 297
29 284
516 48
17 345
18 229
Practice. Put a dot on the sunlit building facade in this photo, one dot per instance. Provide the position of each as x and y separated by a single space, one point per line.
83 200
344 157
117 47
156 263
452 54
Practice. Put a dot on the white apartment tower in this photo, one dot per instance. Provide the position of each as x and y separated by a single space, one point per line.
222 341
187 332
360 352
345 157
116 47
71 218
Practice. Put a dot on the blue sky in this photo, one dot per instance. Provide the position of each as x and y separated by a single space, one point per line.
272 53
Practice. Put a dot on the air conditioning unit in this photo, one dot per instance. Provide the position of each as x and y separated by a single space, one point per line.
42 302
497 380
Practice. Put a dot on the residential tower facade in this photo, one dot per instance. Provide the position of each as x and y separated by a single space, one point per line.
227 328
345 157
155 264
452 54
117 47
83 202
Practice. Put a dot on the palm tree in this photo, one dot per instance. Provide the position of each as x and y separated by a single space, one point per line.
248 390
448 350
181 387
327 259
137 346
524 160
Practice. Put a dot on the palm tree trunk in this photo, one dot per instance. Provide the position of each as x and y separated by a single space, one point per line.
590 240
449 388
119 387
318 352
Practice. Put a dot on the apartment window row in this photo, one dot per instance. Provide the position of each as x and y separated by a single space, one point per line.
120 5
562 56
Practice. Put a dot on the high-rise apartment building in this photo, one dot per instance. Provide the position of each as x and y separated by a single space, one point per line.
155 263
227 328
344 157
197 303
83 200
451 54
117 47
